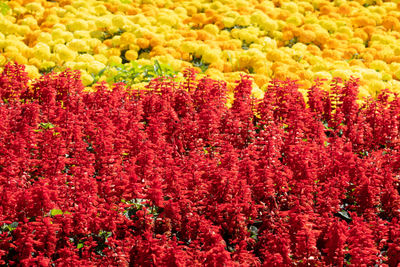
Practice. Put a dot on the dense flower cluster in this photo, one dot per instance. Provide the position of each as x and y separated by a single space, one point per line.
278 39
173 177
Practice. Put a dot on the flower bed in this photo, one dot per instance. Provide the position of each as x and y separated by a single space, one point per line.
299 40
171 176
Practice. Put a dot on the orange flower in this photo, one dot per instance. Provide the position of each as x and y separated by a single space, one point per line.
307 36
391 23
313 49
332 53
203 35
360 33
332 43
199 19
143 43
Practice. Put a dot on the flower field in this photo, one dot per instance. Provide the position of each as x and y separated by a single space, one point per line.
300 40
199 133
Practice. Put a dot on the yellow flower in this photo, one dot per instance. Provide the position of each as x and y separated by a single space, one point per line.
228 22
322 75
34 8
378 65
370 75
118 21
290 6
211 55
77 25
374 87
127 38
341 73
295 19
386 76
82 34
114 60
328 25
103 22
47 65
86 78
64 53
131 55
32 71
211 28
3 60
274 55
78 45
42 51
95 67
242 20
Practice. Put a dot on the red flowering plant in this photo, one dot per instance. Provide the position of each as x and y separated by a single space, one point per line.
168 175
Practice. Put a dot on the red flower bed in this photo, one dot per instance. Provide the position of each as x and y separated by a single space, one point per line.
172 177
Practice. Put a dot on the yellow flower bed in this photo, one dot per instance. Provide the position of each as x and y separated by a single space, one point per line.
281 39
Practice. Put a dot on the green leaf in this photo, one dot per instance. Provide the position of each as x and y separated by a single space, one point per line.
9 227
55 212
157 68
4 8
79 246
46 125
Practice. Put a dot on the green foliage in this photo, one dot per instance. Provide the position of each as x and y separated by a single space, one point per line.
55 212
8 227
133 73
198 62
4 8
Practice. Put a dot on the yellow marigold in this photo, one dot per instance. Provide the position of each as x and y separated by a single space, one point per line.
142 43
189 47
78 45
341 73
211 56
95 67
118 21
114 60
103 22
64 53
211 28
32 71
100 10
82 34
376 86
34 8
86 78
379 65
386 76
290 6
42 51
307 36
321 36
329 25
369 75
228 22
77 25
295 19
274 55
116 41
322 75
242 20
101 58
45 65
319 66
131 55
67 36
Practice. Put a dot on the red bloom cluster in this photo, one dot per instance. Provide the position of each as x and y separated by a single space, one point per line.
169 176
